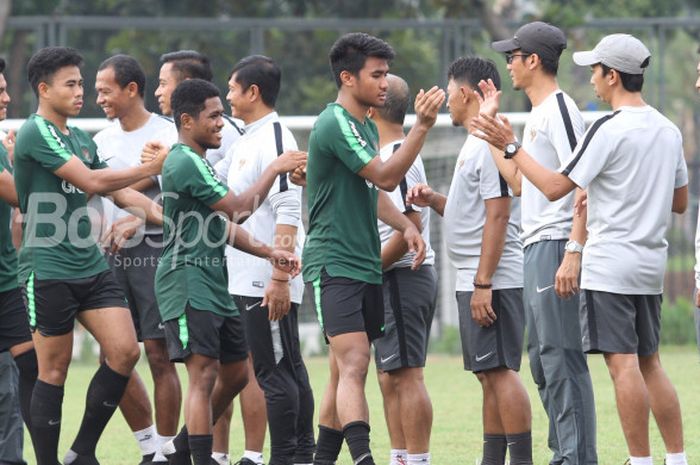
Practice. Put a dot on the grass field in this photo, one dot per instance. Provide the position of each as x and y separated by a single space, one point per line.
456 396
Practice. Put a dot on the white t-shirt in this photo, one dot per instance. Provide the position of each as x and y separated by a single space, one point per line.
547 140
415 175
697 252
122 149
630 162
230 133
252 153
475 180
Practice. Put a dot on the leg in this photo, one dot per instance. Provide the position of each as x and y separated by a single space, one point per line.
632 400
330 435
202 374
25 359
221 432
167 396
253 412
495 443
664 402
392 409
416 410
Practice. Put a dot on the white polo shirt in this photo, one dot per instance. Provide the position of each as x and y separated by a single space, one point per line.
475 180
549 139
630 161
250 156
415 175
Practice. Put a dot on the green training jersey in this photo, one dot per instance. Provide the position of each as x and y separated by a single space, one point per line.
342 235
192 268
8 254
57 242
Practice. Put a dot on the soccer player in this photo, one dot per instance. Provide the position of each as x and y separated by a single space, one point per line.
553 238
267 298
481 233
342 254
15 337
625 254
409 299
202 325
120 86
62 271
177 66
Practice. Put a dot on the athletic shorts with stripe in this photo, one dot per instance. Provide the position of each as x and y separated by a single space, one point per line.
14 323
620 323
205 333
499 345
53 304
409 306
345 305
135 271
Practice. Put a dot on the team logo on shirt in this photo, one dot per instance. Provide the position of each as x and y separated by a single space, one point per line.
370 184
86 153
533 134
69 188
357 135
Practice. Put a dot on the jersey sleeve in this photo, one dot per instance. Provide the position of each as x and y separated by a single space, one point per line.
491 184
681 170
44 145
284 195
199 180
347 144
590 156
98 162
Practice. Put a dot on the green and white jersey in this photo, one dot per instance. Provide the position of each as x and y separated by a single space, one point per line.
57 241
343 236
8 254
192 268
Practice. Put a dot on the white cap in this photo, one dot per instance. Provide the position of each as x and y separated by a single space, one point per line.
622 52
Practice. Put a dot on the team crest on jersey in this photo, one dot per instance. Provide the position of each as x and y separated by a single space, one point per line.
86 153
533 134
241 163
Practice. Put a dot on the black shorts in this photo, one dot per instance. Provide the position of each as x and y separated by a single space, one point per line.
499 345
409 306
135 270
205 333
52 304
620 323
345 305
14 324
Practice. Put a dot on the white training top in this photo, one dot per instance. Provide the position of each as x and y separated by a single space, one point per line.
415 175
475 180
550 134
122 149
630 161
230 133
697 252
251 154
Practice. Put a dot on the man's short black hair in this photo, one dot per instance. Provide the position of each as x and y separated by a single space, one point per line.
47 61
398 98
261 71
190 96
2 65
188 64
126 70
630 82
350 52
471 70
550 65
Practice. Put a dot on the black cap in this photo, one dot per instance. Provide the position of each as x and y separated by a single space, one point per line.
545 40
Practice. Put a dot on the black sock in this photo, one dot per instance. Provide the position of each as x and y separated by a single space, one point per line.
181 441
45 414
103 396
520 448
28 370
357 436
495 447
328 445
200 448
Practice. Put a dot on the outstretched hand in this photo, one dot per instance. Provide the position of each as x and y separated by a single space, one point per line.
420 195
496 130
428 105
489 98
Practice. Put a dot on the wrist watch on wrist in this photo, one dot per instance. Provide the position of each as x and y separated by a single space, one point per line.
511 149
573 247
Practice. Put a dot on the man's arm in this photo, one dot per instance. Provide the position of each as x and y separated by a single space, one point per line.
566 280
388 174
423 195
138 204
680 200
493 240
285 261
389 214
508 169
277 295
144 184
8 193
396 247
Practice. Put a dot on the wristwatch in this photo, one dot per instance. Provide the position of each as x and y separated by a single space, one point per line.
512 149
573 247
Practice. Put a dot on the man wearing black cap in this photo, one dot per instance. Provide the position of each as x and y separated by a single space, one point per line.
552 238
626 251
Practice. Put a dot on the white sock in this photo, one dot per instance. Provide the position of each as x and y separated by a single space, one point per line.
167 447
398 457
677 458
69 457
253 455
159 457
147 439
419 459
641 461
220 457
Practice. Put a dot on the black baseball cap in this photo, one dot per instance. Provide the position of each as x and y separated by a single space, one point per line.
545 40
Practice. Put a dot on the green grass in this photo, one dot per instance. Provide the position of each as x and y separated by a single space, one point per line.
456 396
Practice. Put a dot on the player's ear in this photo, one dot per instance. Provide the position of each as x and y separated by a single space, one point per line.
42 88
132 88
186 121
347 78
371 112
254 91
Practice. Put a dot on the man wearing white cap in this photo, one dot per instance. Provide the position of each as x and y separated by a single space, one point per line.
625 255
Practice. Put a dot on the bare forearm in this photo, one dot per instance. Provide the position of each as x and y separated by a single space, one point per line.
285 239
108 180
552 184
492 243
393 250
578 228
389 214
240 239
138 204
438 203
144 184
508 169
245 204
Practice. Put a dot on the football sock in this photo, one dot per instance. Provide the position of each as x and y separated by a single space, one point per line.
28 370
103 396
200 448
328 445
419 459
398 457
45 414
676 459
520 448
147 439
495 448
357 436
253 455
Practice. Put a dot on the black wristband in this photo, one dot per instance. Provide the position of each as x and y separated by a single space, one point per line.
482 286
